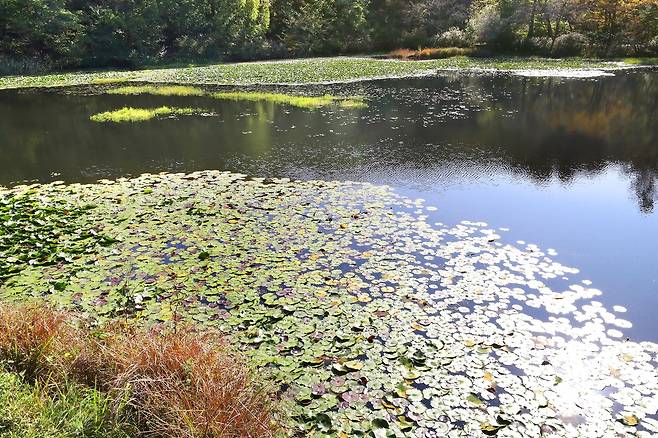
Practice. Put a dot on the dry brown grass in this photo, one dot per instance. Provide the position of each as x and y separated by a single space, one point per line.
431 53
168 384
402 53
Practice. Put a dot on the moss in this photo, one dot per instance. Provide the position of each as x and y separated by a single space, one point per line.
128 114
170 90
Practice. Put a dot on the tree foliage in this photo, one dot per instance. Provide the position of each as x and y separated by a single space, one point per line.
74 33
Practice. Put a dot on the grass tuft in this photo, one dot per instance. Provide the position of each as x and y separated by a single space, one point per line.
162 383
128 114
67 410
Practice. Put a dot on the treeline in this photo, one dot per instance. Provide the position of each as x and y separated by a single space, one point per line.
42 34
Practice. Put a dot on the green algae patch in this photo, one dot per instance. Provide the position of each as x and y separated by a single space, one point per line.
310 102
128 114
369 319
169 90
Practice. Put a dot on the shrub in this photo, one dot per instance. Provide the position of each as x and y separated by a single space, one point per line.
24 66
453 37
569 44
259 49
167 384
541 45
652 47
489 28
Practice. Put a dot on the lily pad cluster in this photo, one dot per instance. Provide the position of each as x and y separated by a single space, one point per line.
372 321
37 231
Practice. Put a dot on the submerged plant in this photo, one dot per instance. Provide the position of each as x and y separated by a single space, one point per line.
128 114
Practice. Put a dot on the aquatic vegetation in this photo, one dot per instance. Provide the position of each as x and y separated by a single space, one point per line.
370 319
353 102
277 98
159 383
292 100
307 71
37 232
128 114
168 90
106 81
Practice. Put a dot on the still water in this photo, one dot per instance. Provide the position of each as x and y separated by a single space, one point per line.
568 164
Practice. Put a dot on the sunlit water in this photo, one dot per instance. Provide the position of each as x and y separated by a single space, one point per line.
567 164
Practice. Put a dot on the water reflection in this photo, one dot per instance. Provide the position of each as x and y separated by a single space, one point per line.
439 130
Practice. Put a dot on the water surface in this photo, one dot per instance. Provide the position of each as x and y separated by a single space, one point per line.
568 164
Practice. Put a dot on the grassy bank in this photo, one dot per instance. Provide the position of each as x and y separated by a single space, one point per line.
61 375
304 71
64 410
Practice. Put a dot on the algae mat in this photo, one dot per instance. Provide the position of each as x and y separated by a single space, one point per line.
372 320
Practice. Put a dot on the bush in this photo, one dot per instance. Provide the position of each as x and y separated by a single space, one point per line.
23 66
652 47
540 45
489 28
569 44
166 384
453 37
259 49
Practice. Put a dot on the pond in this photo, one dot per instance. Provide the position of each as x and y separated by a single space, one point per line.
567 164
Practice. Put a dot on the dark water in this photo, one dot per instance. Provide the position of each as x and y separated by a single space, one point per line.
569 164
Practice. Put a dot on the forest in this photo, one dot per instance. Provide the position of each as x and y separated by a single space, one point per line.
43 35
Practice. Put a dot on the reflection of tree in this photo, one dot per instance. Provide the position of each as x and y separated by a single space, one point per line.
565 127
430 130
644 185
